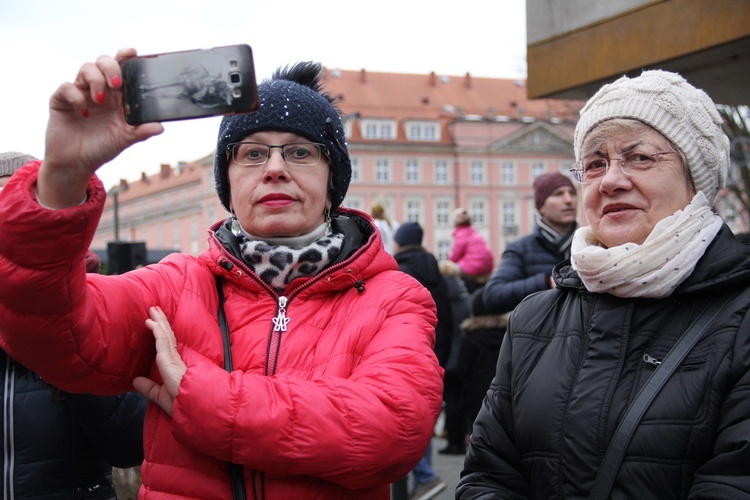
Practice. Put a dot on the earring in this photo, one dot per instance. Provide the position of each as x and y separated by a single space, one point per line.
327 215
235 225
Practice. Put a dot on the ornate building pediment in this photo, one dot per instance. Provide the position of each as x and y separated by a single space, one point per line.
536 138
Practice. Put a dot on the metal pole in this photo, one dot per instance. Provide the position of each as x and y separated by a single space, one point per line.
116 191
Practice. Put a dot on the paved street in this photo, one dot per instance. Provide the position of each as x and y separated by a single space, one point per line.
447 467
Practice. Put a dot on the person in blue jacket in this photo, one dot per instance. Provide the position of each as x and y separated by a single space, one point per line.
526 264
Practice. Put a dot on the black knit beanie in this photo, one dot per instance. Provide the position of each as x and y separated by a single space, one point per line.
408 233
291 101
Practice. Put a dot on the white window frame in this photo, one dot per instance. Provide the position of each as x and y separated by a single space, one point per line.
508 173
442 172
411 171
477 172
443 212
382 171
378 129
425 131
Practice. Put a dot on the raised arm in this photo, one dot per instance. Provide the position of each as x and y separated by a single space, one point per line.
86 129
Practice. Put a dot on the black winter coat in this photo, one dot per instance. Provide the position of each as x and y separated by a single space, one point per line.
421 265
482 337
524 268
62 446
571 363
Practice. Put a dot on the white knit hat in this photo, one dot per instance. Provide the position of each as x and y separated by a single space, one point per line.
680 112
12 161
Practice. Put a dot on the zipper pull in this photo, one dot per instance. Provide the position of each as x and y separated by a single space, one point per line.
651 360
280 321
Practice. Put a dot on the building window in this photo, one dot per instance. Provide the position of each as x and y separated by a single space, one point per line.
441 172
476 172
477 211
355 170
176 235
412 172
443 249
422 131
509 173
510 226
442 213
382 171
431 132
414 211
378 129
537 169
194 244
415 133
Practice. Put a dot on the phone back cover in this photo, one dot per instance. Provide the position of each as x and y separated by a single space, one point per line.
190 84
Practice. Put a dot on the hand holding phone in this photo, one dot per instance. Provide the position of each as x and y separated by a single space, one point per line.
189 84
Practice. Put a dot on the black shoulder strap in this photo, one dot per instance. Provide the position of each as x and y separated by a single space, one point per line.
616 451
235 470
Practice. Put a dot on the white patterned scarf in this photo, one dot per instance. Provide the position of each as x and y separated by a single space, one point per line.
658 266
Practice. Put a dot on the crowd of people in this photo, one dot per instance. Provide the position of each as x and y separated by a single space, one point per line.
319 344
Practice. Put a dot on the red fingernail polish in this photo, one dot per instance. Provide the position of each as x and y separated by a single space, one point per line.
116 81
85 112
100 97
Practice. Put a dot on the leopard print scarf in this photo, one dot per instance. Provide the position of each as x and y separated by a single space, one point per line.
277 261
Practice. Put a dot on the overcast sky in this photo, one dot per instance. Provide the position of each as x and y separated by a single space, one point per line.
44 42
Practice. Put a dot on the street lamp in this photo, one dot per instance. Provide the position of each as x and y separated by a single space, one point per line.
115 191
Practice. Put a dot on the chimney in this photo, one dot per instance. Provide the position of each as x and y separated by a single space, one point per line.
144 178
166 170
363 76
433 79
467 80
123 183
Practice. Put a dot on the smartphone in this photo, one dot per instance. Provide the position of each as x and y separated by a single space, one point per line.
189 84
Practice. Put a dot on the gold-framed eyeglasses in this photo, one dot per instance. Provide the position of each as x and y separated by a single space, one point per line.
255 154
592 169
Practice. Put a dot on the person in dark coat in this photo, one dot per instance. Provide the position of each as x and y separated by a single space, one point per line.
651 157
417 262
57 444
526 264
482 336
453 383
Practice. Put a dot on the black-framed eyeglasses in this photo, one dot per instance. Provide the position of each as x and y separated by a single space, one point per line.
255 154
593 168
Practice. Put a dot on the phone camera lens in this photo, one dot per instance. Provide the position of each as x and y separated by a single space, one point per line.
234 78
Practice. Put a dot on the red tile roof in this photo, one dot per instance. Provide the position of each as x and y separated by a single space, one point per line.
402 96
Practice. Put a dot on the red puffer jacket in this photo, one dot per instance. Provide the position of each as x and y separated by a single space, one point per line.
337 406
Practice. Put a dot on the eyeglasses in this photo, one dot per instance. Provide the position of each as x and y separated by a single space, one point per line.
631 163
255 154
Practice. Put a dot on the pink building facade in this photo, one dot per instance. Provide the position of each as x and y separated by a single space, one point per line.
421 145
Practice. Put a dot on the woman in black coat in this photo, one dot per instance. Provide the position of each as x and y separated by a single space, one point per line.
651 158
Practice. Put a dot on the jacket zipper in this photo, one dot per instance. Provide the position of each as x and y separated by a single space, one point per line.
685 365
9 452
651 360
280 322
